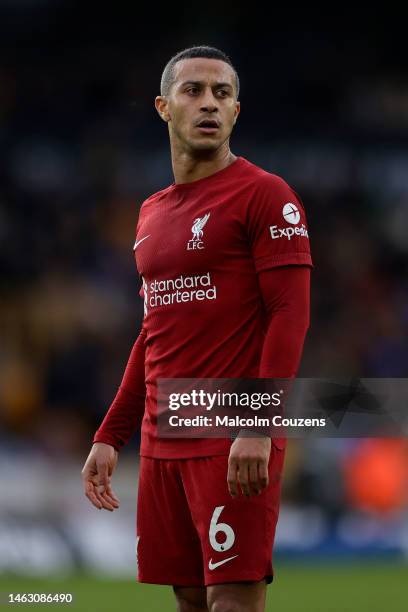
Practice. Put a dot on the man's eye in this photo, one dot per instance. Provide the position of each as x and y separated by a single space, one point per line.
222 93
192 90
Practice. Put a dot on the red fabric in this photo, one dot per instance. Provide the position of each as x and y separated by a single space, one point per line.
125 414
218 303
177 513
286 295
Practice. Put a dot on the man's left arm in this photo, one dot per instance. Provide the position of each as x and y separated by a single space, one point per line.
286 296
279 242
285 293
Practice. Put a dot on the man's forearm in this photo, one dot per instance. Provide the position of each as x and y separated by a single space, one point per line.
125 414
286 297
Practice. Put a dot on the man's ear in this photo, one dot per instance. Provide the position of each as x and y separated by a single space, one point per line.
161 105
237 111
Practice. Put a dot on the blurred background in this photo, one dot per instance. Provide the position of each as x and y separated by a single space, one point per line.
325 105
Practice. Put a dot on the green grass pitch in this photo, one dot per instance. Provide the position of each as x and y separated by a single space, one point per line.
297 588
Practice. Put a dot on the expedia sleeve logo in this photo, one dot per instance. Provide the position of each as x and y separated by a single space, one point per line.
291 214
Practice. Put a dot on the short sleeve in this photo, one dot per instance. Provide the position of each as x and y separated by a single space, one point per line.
277 226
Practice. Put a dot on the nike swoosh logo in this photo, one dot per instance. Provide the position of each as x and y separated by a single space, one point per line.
213 566
139 241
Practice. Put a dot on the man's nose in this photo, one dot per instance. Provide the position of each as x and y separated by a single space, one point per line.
208 102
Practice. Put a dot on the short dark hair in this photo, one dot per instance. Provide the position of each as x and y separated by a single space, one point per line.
167 78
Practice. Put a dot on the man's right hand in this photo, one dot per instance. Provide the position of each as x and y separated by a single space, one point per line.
96 476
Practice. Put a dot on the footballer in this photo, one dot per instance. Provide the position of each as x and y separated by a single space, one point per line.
224 258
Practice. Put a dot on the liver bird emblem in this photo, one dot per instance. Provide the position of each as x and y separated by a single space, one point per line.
198 226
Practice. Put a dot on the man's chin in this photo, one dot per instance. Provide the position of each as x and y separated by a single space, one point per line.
205 144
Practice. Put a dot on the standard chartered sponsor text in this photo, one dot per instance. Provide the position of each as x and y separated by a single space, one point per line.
181 289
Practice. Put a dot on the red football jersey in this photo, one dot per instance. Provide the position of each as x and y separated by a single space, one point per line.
198 249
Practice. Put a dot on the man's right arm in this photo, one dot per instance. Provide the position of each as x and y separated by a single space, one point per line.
121 421
125 414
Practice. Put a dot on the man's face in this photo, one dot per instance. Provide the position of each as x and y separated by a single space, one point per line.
201 108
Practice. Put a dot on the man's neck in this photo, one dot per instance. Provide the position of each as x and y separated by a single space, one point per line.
187 169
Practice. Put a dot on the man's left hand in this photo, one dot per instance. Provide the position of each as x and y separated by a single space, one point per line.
248 465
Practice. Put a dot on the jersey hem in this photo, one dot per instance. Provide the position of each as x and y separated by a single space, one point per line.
172 449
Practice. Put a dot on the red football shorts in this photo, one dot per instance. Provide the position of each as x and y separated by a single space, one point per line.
191 532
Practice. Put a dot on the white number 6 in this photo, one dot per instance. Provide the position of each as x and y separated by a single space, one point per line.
216 528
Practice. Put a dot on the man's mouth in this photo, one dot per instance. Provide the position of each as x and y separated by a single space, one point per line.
208 126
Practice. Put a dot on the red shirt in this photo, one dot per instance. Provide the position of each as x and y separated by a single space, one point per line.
201 249
219 302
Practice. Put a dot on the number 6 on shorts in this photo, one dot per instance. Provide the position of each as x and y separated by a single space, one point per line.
220 527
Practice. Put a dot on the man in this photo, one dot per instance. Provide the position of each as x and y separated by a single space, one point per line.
207 508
